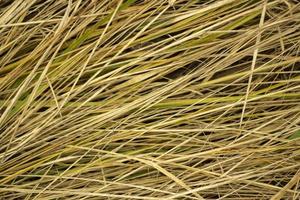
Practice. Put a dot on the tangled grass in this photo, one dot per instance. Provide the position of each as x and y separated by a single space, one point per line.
153 99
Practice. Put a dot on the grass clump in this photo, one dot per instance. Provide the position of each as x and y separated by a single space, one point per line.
149 100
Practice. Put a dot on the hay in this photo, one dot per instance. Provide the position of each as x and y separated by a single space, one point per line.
111 99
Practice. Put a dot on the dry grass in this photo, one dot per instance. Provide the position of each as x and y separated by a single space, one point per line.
154 99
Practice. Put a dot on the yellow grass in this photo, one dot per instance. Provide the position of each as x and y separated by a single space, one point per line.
152 100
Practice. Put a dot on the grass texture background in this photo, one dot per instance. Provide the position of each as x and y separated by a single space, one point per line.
149 99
